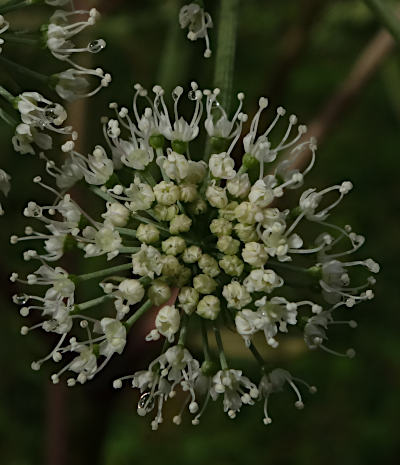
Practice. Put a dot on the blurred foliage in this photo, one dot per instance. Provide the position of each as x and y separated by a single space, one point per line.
352 419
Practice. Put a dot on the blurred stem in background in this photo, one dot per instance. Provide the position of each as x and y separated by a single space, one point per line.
174 58
387 16
226 47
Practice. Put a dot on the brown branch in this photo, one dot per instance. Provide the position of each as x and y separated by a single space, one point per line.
341 101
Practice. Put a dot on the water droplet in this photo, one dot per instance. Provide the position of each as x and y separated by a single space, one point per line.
21 299
96 46
146 401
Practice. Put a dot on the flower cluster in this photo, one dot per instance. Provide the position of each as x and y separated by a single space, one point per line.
199 240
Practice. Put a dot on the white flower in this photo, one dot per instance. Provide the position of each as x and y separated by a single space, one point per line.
188 192
216 196
239 186
262 281
222 166
100 167
260 195
208 307
196 171
233 385
236 295
193 17
246 232
106 240
115 334
168 321
85 364
147 262
134 156
140 196
255 254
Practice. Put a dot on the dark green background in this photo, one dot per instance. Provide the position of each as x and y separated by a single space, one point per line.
354 417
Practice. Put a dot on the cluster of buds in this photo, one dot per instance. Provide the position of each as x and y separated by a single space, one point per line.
201 242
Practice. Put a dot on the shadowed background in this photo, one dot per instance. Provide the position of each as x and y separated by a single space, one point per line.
326 61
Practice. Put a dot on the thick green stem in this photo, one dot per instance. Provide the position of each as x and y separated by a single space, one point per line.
226 46
221 353
6 95
101 273
387 16
139 312
24 70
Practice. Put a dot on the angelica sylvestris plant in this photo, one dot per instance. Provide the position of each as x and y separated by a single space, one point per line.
202 242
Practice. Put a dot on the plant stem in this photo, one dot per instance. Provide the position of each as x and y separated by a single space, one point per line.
24 70
13 38
101 273
204 336
7 118
183 331
129 249
256 354
221 353
386 16
139 312
126 231
90 303
225 56
6 95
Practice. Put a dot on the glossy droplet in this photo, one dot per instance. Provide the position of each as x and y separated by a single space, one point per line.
21 299
96 46
146 401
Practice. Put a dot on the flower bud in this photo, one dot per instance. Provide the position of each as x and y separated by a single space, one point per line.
209 265
229 211
164 213
168 321
221 227
208 307
261 195
184 276
216 196
188 298
222 166
147 233
117 214
174 245
228 245
198 207
255 254
204 284
188 192
181 223
166 193
245 232
236 295
170 265
232 265
239 186
192 254
159 292
245 213
131 290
